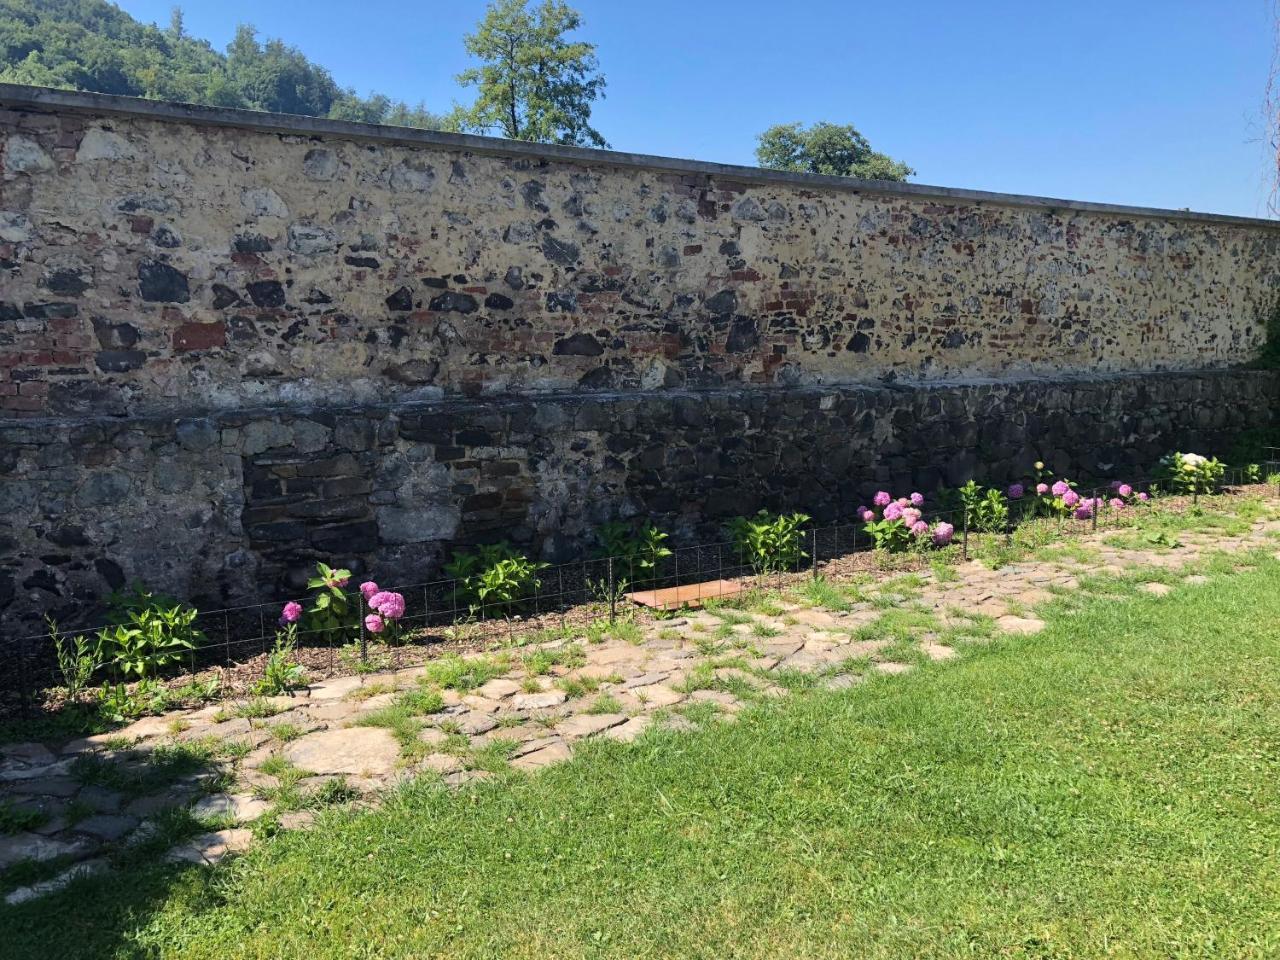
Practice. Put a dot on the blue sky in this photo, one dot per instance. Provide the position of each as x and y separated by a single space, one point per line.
1124 101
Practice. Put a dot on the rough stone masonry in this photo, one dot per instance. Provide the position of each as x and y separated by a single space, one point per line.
234 343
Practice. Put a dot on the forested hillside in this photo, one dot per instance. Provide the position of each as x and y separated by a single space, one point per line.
94 45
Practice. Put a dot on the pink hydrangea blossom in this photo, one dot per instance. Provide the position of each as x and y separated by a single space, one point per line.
860 511
368 589
892 512
390 605
882 499
903 502
1083 512
1070 498
943 533
1059 488
1124 490
868 515
1016 490
1144 496
291 613
373 623
920 528
1117 503
1042 488
917 499
911 516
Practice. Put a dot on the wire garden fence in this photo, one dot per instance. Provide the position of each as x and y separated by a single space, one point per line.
439 615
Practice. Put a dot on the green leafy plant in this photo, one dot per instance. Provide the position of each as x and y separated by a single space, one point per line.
331 611
769 542
494 578
1186 473
890 534
150 638
635 550
118 702
281 672
1252 473
78 658
986 507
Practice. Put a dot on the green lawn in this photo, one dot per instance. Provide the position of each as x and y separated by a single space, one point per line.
1110 787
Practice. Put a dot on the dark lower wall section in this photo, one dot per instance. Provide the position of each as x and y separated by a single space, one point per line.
236 507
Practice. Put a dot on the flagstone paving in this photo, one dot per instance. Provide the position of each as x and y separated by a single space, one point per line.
348 739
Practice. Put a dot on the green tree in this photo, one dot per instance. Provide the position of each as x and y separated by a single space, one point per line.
533 83
833 149
94 45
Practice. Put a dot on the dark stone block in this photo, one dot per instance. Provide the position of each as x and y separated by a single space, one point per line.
349 538
119 361
578 345
559 251
496 301
160 283
454 302
251 243
401 300
267 294
744 336
66 282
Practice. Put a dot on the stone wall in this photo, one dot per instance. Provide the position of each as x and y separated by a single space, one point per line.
232 344
237 505
152 262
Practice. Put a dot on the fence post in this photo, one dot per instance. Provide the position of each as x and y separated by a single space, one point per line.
964 536
613 595
813 557
364 638
1096 507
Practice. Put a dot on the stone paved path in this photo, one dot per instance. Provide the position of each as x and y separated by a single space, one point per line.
277 761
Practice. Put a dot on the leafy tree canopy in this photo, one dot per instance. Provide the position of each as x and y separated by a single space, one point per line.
94 45
829 148
533 83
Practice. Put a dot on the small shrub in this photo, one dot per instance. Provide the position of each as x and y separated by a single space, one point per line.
78 659
770 542
900 525
986 508
148 637
494 578
282 672
1187 473
455 673
118 703
635 550
330 612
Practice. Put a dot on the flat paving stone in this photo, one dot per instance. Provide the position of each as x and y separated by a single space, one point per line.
208 848
539 701
369 751
626 732
106 826
498 689
588 724
554 753
241 807
473 722
1025 625
45 887
1157 589
17 847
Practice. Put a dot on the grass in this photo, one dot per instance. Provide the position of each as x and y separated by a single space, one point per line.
1109 787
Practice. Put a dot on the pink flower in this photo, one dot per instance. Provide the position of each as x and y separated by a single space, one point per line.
1117 503
373 623
882 499
943 533
1144 496
368 589
1059 488
1070 498
1016 491
892 512
291 613
920 528
1083 512
1114 485
903 502
1124 490
917 499
860 511
1042 488
868 516
910 516
390 605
